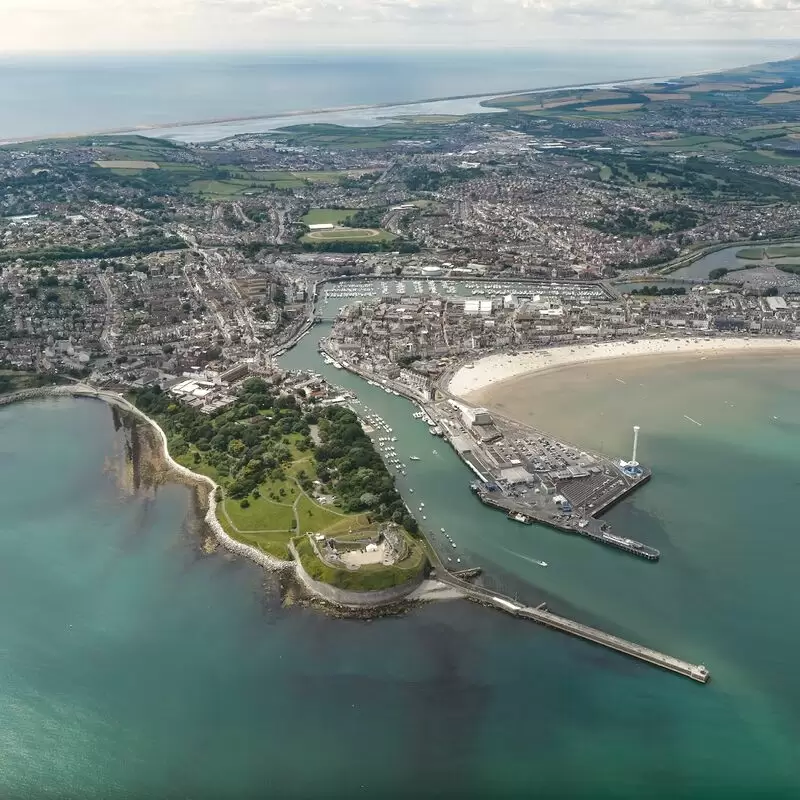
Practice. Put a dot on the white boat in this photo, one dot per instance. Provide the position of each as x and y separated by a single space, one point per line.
442 530
540 563
413 458
411 490
454 544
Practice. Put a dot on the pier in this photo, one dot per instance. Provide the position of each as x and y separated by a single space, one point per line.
696 672
541 615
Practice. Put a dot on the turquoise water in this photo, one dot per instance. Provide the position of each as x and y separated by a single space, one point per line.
58 95
133 665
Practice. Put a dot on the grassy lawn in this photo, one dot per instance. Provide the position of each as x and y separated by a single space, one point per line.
262 515
315 518
327 216
276 544
344 525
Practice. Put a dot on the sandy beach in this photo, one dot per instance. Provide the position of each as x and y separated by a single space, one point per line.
500 367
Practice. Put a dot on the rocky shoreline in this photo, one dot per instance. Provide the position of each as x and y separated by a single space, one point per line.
155 465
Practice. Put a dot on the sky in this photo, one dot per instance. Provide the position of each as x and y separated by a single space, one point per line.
146 25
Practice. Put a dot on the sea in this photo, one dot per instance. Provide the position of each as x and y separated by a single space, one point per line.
132 664
60 95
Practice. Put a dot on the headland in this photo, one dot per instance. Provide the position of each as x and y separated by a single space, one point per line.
306 568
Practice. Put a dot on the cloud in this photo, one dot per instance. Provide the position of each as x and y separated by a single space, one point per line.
223 24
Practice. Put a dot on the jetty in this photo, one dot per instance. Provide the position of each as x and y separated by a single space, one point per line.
541 615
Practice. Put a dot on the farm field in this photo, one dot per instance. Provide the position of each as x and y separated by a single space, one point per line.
127 165
774 251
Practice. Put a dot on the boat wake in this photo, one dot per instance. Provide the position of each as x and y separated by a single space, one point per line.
526 558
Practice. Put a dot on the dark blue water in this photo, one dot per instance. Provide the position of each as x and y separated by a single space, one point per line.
48 96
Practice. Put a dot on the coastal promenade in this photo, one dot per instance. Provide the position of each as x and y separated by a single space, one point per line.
112 398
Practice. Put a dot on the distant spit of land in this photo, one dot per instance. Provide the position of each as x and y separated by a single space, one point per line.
163 128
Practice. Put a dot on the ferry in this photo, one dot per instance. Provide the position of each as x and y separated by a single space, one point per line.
519 517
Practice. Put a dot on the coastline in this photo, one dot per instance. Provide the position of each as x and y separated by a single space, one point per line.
150 130
110 398
415 591
493 370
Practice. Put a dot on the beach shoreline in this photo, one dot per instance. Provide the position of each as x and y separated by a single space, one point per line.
496 369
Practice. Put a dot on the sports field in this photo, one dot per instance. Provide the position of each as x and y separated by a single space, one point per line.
349 235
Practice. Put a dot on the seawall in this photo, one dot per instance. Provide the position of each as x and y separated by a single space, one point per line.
229 543
328 593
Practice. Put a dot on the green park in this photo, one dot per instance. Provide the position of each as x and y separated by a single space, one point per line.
286 468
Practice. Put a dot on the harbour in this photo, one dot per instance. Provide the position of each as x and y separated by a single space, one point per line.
614 484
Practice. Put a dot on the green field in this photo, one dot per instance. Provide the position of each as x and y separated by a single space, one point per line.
368 138
262 515
231 188
327 216
768 157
